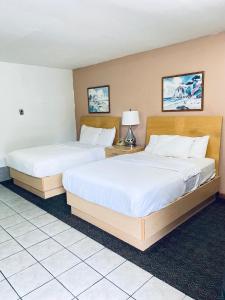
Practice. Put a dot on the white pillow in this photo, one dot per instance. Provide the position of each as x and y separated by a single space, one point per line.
106 137
155 139
199 147
170 145
89 135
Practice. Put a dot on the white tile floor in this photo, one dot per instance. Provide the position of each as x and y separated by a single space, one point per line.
42 258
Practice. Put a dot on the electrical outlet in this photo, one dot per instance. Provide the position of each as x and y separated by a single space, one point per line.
21 111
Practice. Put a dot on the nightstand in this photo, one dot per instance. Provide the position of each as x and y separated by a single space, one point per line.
120 150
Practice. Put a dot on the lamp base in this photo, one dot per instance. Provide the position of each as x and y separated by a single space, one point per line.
130 139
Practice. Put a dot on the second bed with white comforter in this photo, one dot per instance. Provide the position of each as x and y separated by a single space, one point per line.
138 184
53 159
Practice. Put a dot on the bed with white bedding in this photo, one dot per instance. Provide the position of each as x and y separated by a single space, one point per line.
53 159
140 183
39 169
141 197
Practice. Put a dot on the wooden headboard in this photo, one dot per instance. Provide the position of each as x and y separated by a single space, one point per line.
190 126
103 122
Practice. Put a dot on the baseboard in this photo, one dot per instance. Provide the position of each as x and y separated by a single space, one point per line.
221 196
4 174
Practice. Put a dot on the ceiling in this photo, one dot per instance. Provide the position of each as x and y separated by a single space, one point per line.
76 33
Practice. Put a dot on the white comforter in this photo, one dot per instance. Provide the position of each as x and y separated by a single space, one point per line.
53 159
134 184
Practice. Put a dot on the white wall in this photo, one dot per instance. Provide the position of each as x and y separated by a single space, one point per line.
46 95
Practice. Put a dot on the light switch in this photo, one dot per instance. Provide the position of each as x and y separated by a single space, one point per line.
21 111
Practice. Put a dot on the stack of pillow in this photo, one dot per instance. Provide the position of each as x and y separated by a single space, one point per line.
178 146
97 136
163 145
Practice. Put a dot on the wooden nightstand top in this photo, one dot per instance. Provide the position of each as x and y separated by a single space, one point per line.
120 150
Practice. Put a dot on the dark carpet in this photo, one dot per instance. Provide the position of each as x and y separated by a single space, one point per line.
191 258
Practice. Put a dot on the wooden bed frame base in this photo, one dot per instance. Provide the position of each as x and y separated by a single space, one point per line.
145 231
44 187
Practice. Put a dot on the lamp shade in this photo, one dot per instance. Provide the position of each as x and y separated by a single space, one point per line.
130 117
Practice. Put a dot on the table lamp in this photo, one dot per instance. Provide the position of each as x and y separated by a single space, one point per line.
130 118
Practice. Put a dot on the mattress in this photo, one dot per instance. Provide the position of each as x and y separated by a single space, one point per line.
137 184
53 159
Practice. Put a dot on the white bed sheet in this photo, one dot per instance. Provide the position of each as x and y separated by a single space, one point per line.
207 168
138 184
53 159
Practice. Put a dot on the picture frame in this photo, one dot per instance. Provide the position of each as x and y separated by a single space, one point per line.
99 99
183 92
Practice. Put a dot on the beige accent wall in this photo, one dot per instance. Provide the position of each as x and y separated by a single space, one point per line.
135 81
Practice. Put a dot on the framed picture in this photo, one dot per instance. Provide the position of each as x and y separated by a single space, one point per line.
183 92
98 99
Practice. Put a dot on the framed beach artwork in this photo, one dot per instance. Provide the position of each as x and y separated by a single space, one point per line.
98 99
183 92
